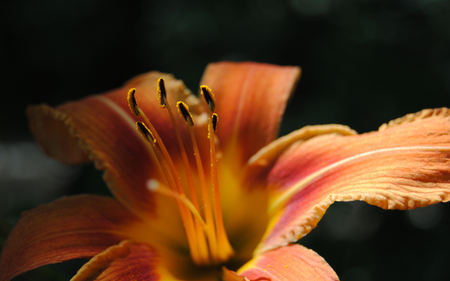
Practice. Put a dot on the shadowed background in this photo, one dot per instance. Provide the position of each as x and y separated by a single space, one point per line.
364 62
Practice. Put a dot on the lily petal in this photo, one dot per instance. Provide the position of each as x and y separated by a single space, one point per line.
250 100
293 262
68 228
263 160
101 128
126 261
405 165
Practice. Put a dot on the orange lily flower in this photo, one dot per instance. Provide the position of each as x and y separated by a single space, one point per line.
203 192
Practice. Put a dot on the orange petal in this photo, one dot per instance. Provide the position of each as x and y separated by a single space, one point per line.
126 261
293 262
68 228
261 161
102 129
404 165
250 100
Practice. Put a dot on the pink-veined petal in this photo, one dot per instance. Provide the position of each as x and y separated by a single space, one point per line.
127 261
250 100
68 228
246 222
101 128
405 165
259 163
290 263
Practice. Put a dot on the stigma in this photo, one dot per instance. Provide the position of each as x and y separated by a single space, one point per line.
197 196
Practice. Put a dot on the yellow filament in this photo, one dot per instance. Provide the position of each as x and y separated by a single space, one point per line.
164 158
224 247
205 194
186 217
161 89
183 109
193 194
201 216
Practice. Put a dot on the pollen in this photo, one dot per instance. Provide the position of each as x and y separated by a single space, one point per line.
194 188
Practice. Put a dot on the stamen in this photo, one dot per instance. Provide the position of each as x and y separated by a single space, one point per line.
200 235
183 109
224 247
162 94
185 113
165 156
198 252
208 96
214 119
132 104
142 128
191 226
202 217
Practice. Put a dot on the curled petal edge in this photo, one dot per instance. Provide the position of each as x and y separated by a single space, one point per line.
127 261
290 263
404 165
68 228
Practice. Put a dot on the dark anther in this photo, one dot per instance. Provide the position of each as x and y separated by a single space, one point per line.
145 131
184 111
209 97
162 94
132 104
215 119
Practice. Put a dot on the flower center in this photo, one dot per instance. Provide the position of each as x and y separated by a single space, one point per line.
204 227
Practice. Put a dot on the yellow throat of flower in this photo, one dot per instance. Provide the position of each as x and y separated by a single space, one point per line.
204 227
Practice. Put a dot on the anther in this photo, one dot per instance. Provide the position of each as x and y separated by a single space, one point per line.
162 94
132 104
208 96
146 133
183 109
214 120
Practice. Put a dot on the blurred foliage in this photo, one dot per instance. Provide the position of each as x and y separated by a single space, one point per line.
364 62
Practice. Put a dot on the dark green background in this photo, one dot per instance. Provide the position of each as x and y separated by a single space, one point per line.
364 62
